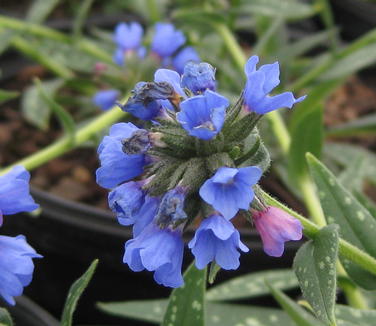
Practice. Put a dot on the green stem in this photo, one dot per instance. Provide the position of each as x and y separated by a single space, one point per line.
65 143
42 31
153 11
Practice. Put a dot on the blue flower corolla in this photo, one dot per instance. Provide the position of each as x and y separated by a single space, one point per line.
158 250
166 39
217 240
106 99
16 266
230 189
171 208
15 192
260 83
202 116
117 166
199 77
276 227
184 56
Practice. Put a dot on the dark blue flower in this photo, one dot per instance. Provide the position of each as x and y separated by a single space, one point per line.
166 39
230 189
217 240
260 83
106 99
171 209
276 227
15 192
116 165
16 266
158 250
184 56
202 116
199 77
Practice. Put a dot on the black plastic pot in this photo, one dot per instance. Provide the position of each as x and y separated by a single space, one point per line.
70 235
28 313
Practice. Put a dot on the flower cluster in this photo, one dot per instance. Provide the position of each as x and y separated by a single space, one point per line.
167 48
16 264
197 157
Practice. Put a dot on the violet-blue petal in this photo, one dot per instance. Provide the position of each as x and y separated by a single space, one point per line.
230 189
128 36
171 77
184 56
217 240
146 214
119 56
166 39
106 99
15 192
171 208
16 266
199 77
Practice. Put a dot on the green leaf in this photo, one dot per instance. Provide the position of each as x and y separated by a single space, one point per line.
300 316
368 203
40 10
74 294
352 63
197 15
314 265
362 126
5 318
356 224
7 95
186 305
358 317
216 314
252 285
6 37
34 108
79 20
64 117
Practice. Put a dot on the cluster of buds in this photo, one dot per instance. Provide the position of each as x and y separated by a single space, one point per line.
195 157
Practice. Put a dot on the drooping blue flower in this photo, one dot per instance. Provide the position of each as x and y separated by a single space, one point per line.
15 192
230 189
171 209
260 83
171 77
16 266
203 116
184 56
198 77
166 39
128 38
117 166
106 99
276 227
158 250
217 240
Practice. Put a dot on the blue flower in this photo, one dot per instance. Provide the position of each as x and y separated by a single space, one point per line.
158 250
217 240
171 77
171 209
276 227
199 77
16 266
116 165
166 39
230 189
203 116
184 56
128 38
106 99
260 83
15 193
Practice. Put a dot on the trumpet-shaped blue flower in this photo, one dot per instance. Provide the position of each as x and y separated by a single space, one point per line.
16 266
198 77
15 193
106 99
217 240
203 116
183 57
260 83
116 165
166 39
230 189
276 227
158 250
